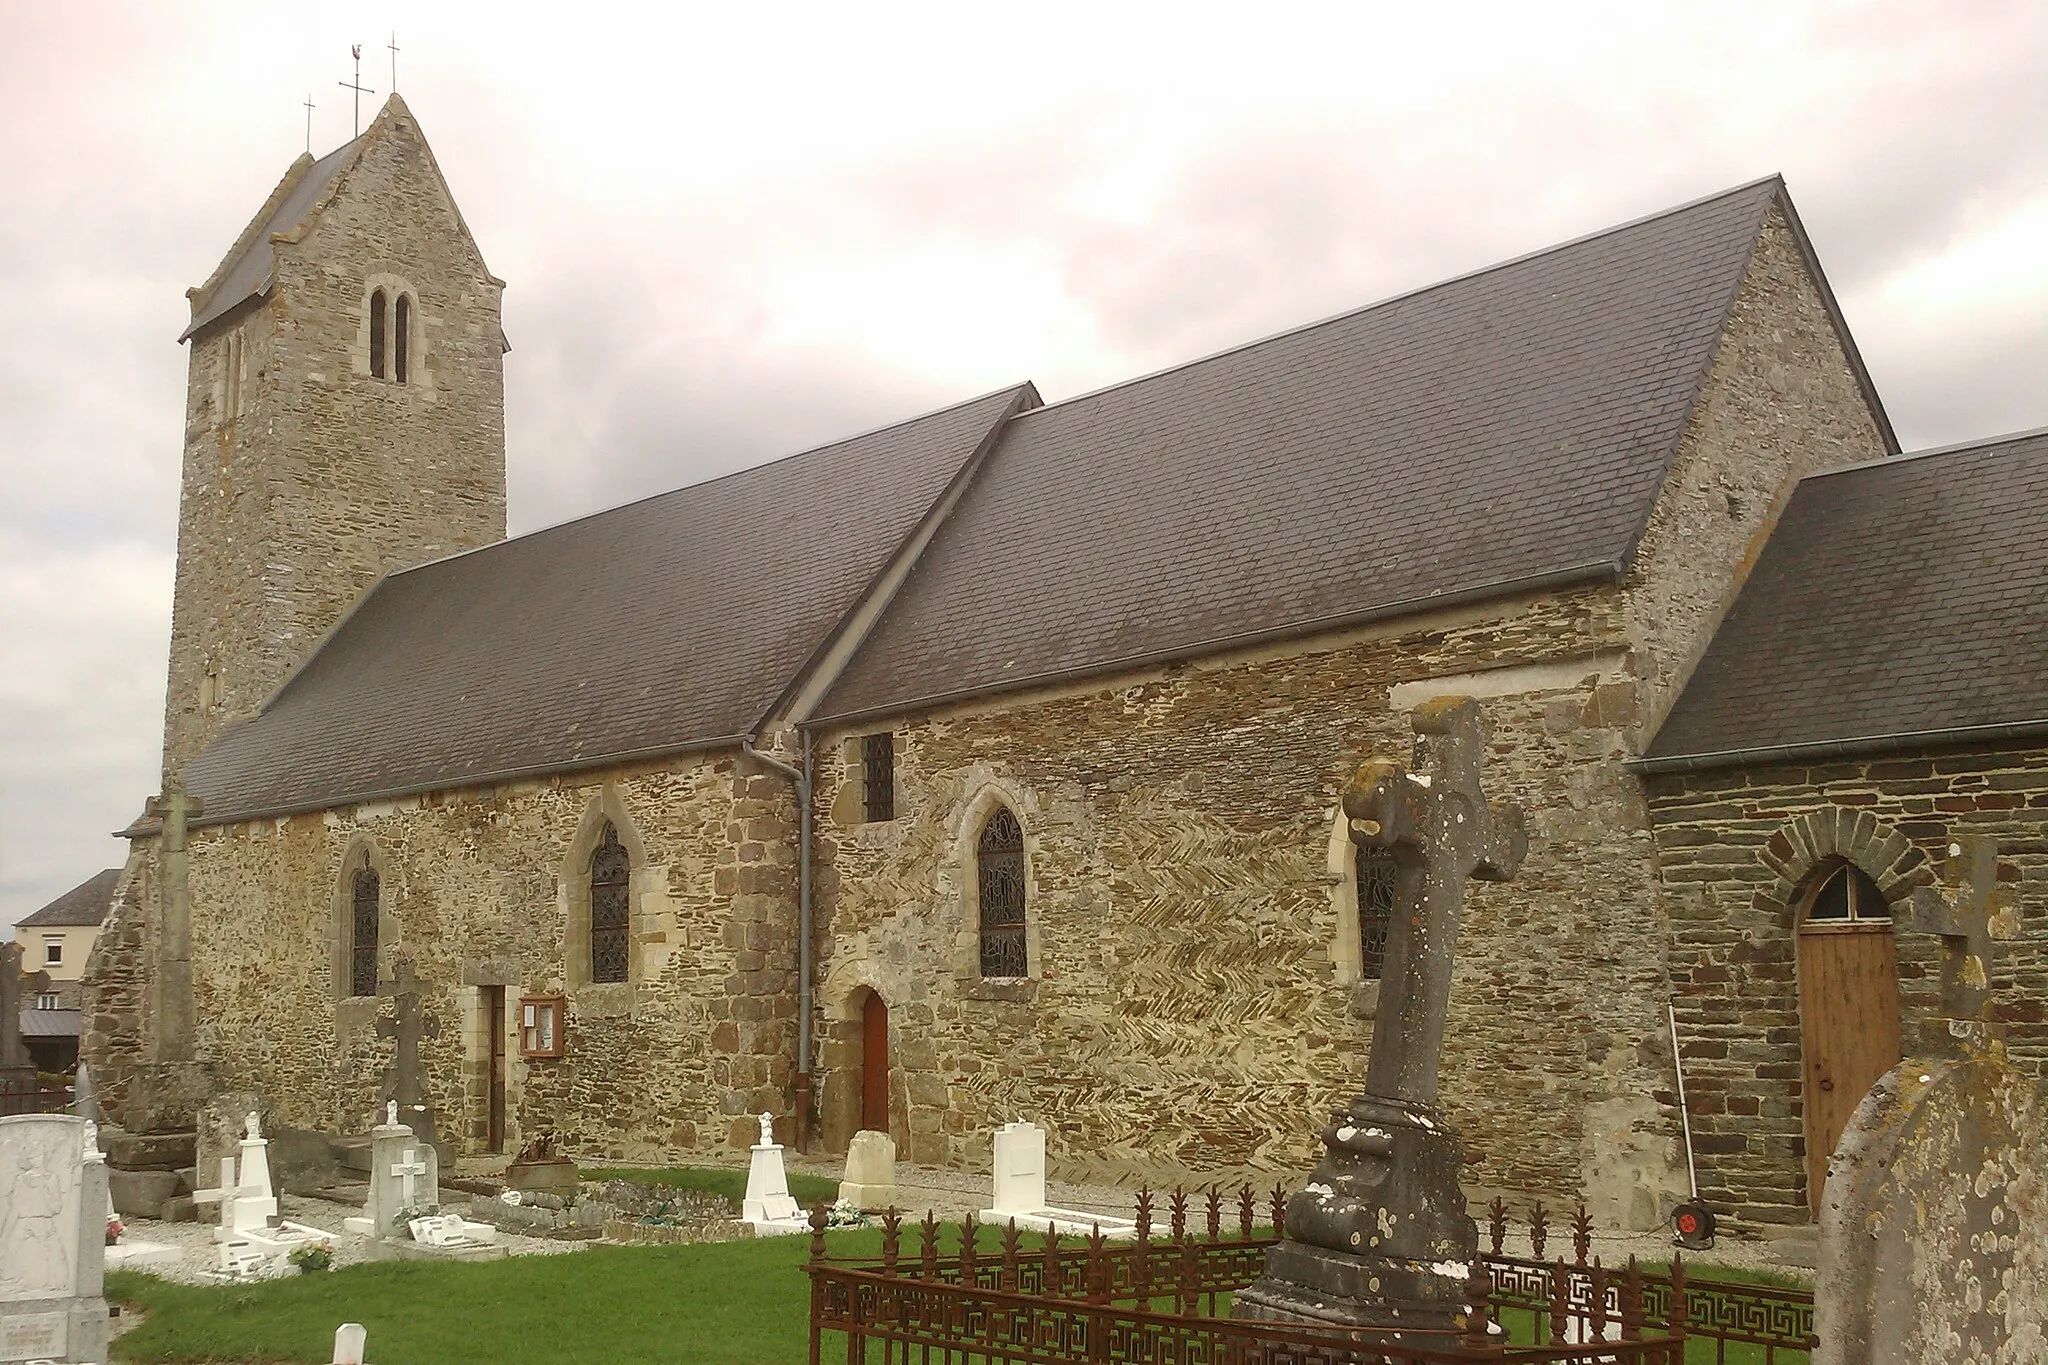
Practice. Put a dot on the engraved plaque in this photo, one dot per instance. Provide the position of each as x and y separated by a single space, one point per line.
33 1336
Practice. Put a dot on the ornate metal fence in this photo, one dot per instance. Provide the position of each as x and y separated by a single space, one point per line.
1166 1302
1730 1323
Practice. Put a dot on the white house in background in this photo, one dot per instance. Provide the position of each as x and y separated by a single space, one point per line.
55 941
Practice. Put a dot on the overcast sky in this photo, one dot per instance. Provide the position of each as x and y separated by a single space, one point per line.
733 231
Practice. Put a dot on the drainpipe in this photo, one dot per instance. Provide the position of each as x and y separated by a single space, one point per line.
801 780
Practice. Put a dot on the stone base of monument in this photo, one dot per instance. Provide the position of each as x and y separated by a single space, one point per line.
1379 1237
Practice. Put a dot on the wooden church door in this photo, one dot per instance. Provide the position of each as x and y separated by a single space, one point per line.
1848 1008
874 1056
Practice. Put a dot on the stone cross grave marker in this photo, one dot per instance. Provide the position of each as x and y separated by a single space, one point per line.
13 1051
1934 1226
53 1196
1380 1237
407 1027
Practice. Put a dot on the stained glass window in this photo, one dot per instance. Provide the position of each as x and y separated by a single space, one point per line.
878 760
611 907
1377 878
1000 868
362 978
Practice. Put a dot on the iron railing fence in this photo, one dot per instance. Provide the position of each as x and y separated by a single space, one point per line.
23 1091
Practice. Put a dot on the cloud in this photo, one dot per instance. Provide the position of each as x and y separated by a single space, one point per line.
731 234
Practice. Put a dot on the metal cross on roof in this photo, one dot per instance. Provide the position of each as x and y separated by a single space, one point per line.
309 123
393 45
356 51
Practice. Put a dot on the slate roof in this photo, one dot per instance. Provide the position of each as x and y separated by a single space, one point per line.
248 271
662 625
52 1023
86 904
1511 426
1908 597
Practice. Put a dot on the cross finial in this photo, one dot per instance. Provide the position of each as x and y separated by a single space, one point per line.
393 45
309 123
356 51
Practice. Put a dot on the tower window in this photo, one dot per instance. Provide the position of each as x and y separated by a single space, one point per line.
401 338
377 307
878 763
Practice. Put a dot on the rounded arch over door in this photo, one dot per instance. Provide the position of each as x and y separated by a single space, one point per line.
1848 1004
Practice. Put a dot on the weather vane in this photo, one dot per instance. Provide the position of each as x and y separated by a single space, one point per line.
356 51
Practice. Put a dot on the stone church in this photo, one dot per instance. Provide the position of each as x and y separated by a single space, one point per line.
987 765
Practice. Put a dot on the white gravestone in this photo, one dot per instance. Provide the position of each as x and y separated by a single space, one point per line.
767 1206
1020 1189
870 1181
53 1238
253 1240
349 1339
404 1174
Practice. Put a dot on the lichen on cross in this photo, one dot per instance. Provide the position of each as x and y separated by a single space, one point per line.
1972 912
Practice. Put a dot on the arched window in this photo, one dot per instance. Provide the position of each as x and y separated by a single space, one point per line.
377 334
401 337
1377 877
362 977
1847 896
999 870
611 907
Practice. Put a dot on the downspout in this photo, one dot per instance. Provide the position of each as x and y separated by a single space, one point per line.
800 778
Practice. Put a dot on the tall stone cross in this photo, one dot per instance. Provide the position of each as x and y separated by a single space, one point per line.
407 1025
1968 919
1441 832
176 1012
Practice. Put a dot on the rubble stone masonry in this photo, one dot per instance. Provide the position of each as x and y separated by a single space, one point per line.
1736 847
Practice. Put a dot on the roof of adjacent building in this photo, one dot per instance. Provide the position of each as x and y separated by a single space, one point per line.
670 623
1507 428
84 905
52 1023
1900 600
249 269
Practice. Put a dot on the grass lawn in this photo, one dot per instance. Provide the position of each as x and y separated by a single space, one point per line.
727 1303
805 1189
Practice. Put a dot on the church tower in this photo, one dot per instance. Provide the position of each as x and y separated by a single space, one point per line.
344 418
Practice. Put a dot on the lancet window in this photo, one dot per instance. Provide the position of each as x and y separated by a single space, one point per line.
999 865
362 976
611 907
379 308
1377 878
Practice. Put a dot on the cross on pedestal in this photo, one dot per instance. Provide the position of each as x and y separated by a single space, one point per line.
1968 919
407 1026
1441 833
408 1169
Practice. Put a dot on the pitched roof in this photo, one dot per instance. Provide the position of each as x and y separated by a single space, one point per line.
87 903
248 270
1903 598
666 624
52 1023
1507 427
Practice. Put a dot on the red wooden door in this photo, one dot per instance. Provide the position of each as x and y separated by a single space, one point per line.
1849 1021
874 1055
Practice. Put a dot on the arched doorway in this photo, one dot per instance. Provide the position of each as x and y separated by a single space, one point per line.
874 1063
1848 1006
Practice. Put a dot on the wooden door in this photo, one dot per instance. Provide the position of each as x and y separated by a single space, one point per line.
494 1010
1849 1021
874 1056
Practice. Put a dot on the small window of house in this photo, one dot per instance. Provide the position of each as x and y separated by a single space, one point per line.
377 326
611 907
999 868
878 763
47 1002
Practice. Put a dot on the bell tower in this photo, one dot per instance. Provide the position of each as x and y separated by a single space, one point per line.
344 418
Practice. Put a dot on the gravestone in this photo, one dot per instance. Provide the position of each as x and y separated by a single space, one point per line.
870 1181
1380 1236
407 1027
53 1237
767 1207
1019 1194
1934 1224
349 1341
253 1239
405 1187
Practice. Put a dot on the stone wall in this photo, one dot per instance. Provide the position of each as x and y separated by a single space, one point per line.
1736 847
305 478
481 890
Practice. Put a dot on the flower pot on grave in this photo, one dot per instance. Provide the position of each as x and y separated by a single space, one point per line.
556 1177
